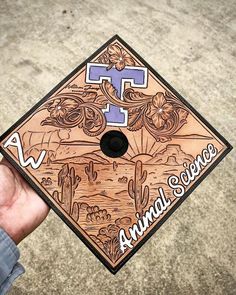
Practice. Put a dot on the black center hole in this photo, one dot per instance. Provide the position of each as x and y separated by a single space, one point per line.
114 144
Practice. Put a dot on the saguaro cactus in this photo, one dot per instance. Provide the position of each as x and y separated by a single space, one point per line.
89 170
135 188
115 165
68 182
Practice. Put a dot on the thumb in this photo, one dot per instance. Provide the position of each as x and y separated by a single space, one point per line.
7 185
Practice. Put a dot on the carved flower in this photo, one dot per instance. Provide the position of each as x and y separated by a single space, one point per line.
159 110
59 107
119 57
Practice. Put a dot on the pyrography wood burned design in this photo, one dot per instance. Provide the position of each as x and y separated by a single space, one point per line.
113 204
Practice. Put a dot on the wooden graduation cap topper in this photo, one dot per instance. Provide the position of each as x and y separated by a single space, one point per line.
114 150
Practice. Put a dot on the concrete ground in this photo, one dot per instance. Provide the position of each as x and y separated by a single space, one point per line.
190 43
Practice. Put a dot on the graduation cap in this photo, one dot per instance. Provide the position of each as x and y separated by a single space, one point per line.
110 149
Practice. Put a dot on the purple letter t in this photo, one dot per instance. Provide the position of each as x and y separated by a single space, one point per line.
96 73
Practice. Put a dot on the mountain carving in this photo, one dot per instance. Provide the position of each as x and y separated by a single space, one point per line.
96 156
172 155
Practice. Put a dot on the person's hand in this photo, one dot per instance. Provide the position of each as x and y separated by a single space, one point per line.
21 209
